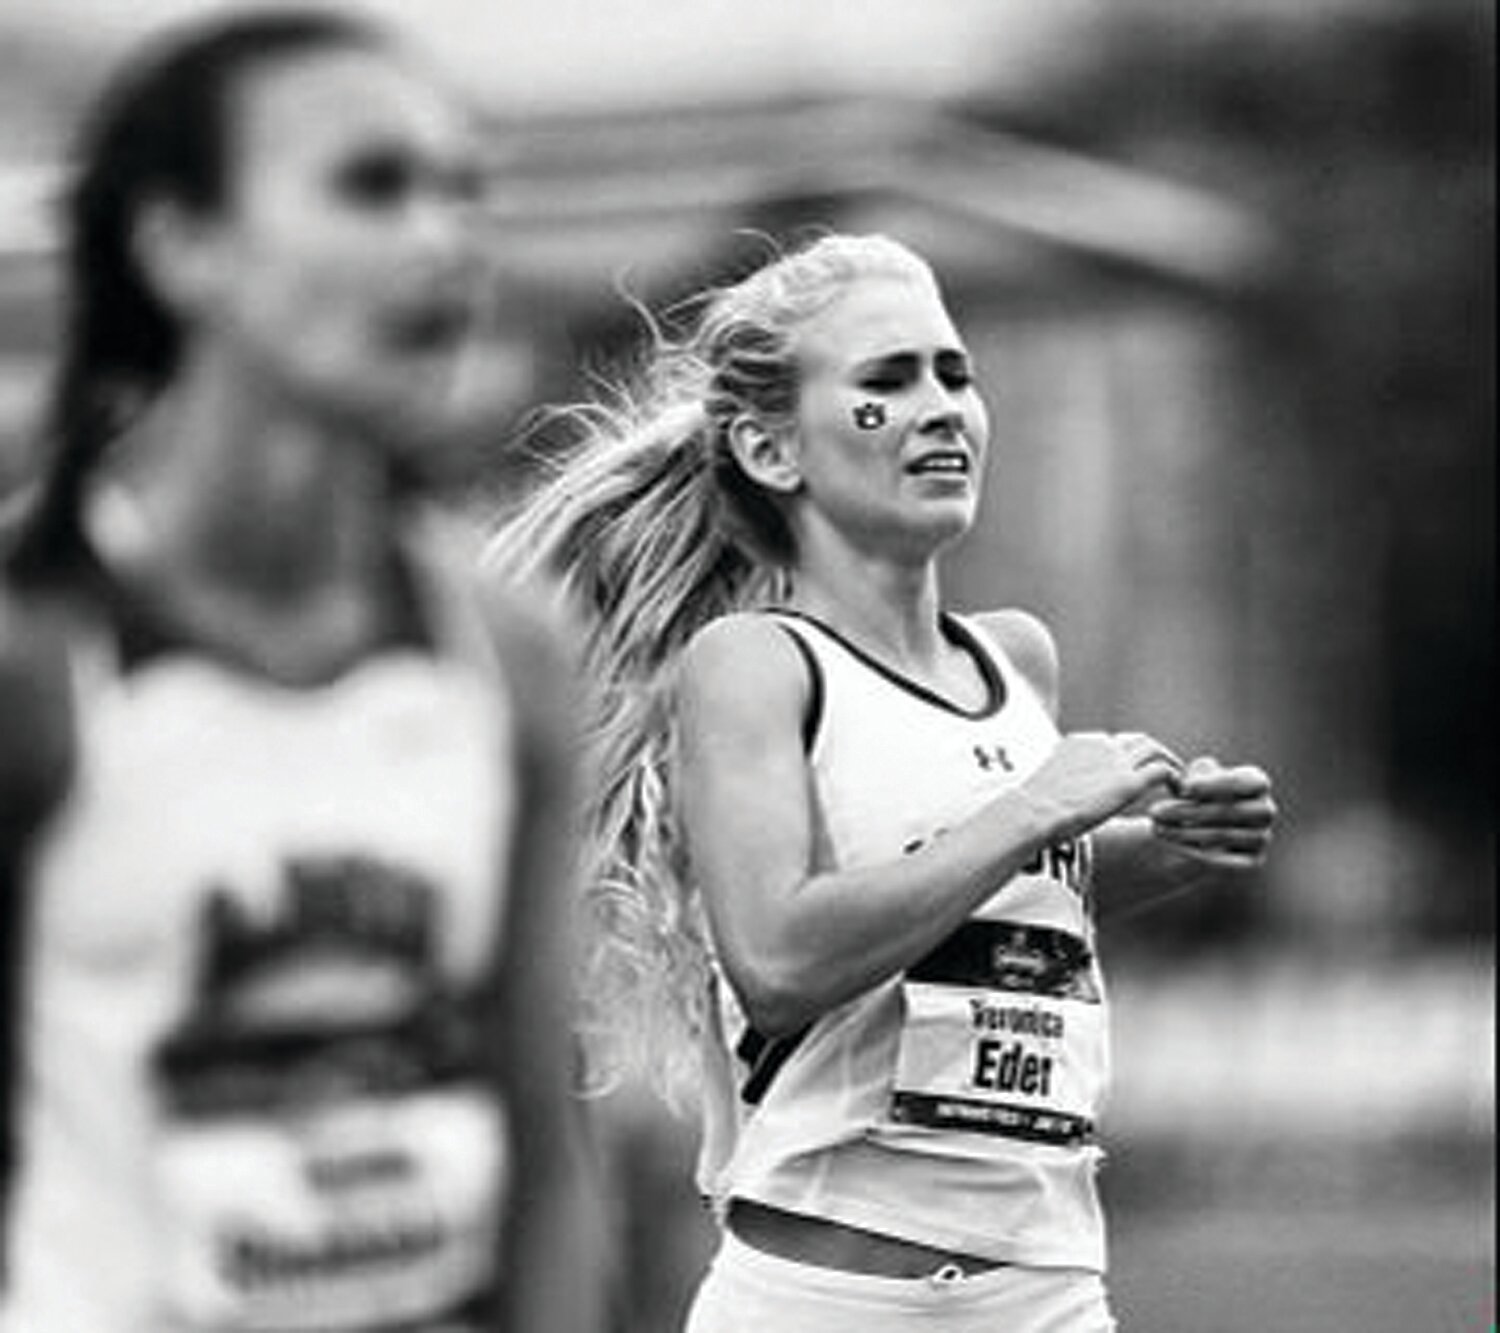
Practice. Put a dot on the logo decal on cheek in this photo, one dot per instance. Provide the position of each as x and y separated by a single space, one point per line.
869 416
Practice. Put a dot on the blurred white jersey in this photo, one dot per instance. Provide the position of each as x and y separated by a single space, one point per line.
953 1106
250 1092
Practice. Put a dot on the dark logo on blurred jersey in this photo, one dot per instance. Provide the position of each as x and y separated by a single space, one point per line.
333 986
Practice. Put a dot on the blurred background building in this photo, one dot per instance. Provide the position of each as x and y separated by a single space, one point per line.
1227 268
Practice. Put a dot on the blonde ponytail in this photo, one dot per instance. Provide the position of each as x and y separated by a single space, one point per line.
650 530
631 531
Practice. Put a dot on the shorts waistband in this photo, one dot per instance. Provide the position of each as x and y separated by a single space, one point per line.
822 1243
944 1286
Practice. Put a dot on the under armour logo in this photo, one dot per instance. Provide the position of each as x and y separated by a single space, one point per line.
869 416
993 756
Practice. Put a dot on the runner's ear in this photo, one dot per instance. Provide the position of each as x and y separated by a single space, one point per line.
768 457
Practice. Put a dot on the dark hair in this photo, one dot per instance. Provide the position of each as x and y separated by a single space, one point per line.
161 130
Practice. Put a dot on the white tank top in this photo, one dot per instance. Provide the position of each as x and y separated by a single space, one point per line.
250 1092
954 1105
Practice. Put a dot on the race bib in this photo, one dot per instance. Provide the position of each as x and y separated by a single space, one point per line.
376 1212
1004 1034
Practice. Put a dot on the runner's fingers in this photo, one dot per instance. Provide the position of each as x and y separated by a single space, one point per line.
1225 860
1143 752
1243 782
1235 841
1186 813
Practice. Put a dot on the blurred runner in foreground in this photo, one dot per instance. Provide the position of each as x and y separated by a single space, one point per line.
285 803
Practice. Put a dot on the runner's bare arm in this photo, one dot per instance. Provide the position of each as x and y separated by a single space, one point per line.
555 1244
795 935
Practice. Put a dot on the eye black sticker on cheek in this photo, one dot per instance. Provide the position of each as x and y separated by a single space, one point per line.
869 416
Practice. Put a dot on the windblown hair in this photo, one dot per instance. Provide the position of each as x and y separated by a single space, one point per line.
650 529
162 131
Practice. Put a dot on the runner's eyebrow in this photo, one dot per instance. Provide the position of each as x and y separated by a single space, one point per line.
903 363
946 359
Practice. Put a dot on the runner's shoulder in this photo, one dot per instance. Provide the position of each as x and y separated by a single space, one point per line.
1029 644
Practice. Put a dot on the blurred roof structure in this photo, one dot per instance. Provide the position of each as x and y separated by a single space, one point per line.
583 55
630 138
586 55
585 201
579 204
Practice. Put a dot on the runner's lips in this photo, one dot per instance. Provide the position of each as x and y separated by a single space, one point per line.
942 462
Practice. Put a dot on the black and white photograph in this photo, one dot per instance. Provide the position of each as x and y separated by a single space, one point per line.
747 666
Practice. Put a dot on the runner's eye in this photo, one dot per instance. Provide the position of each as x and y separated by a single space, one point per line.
377 179
954 371
890 375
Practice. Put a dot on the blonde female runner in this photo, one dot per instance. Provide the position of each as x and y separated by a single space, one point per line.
849 814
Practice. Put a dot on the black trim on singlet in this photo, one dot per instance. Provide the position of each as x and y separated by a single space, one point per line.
812 720
142 635
1009 956
764 1058
958 634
